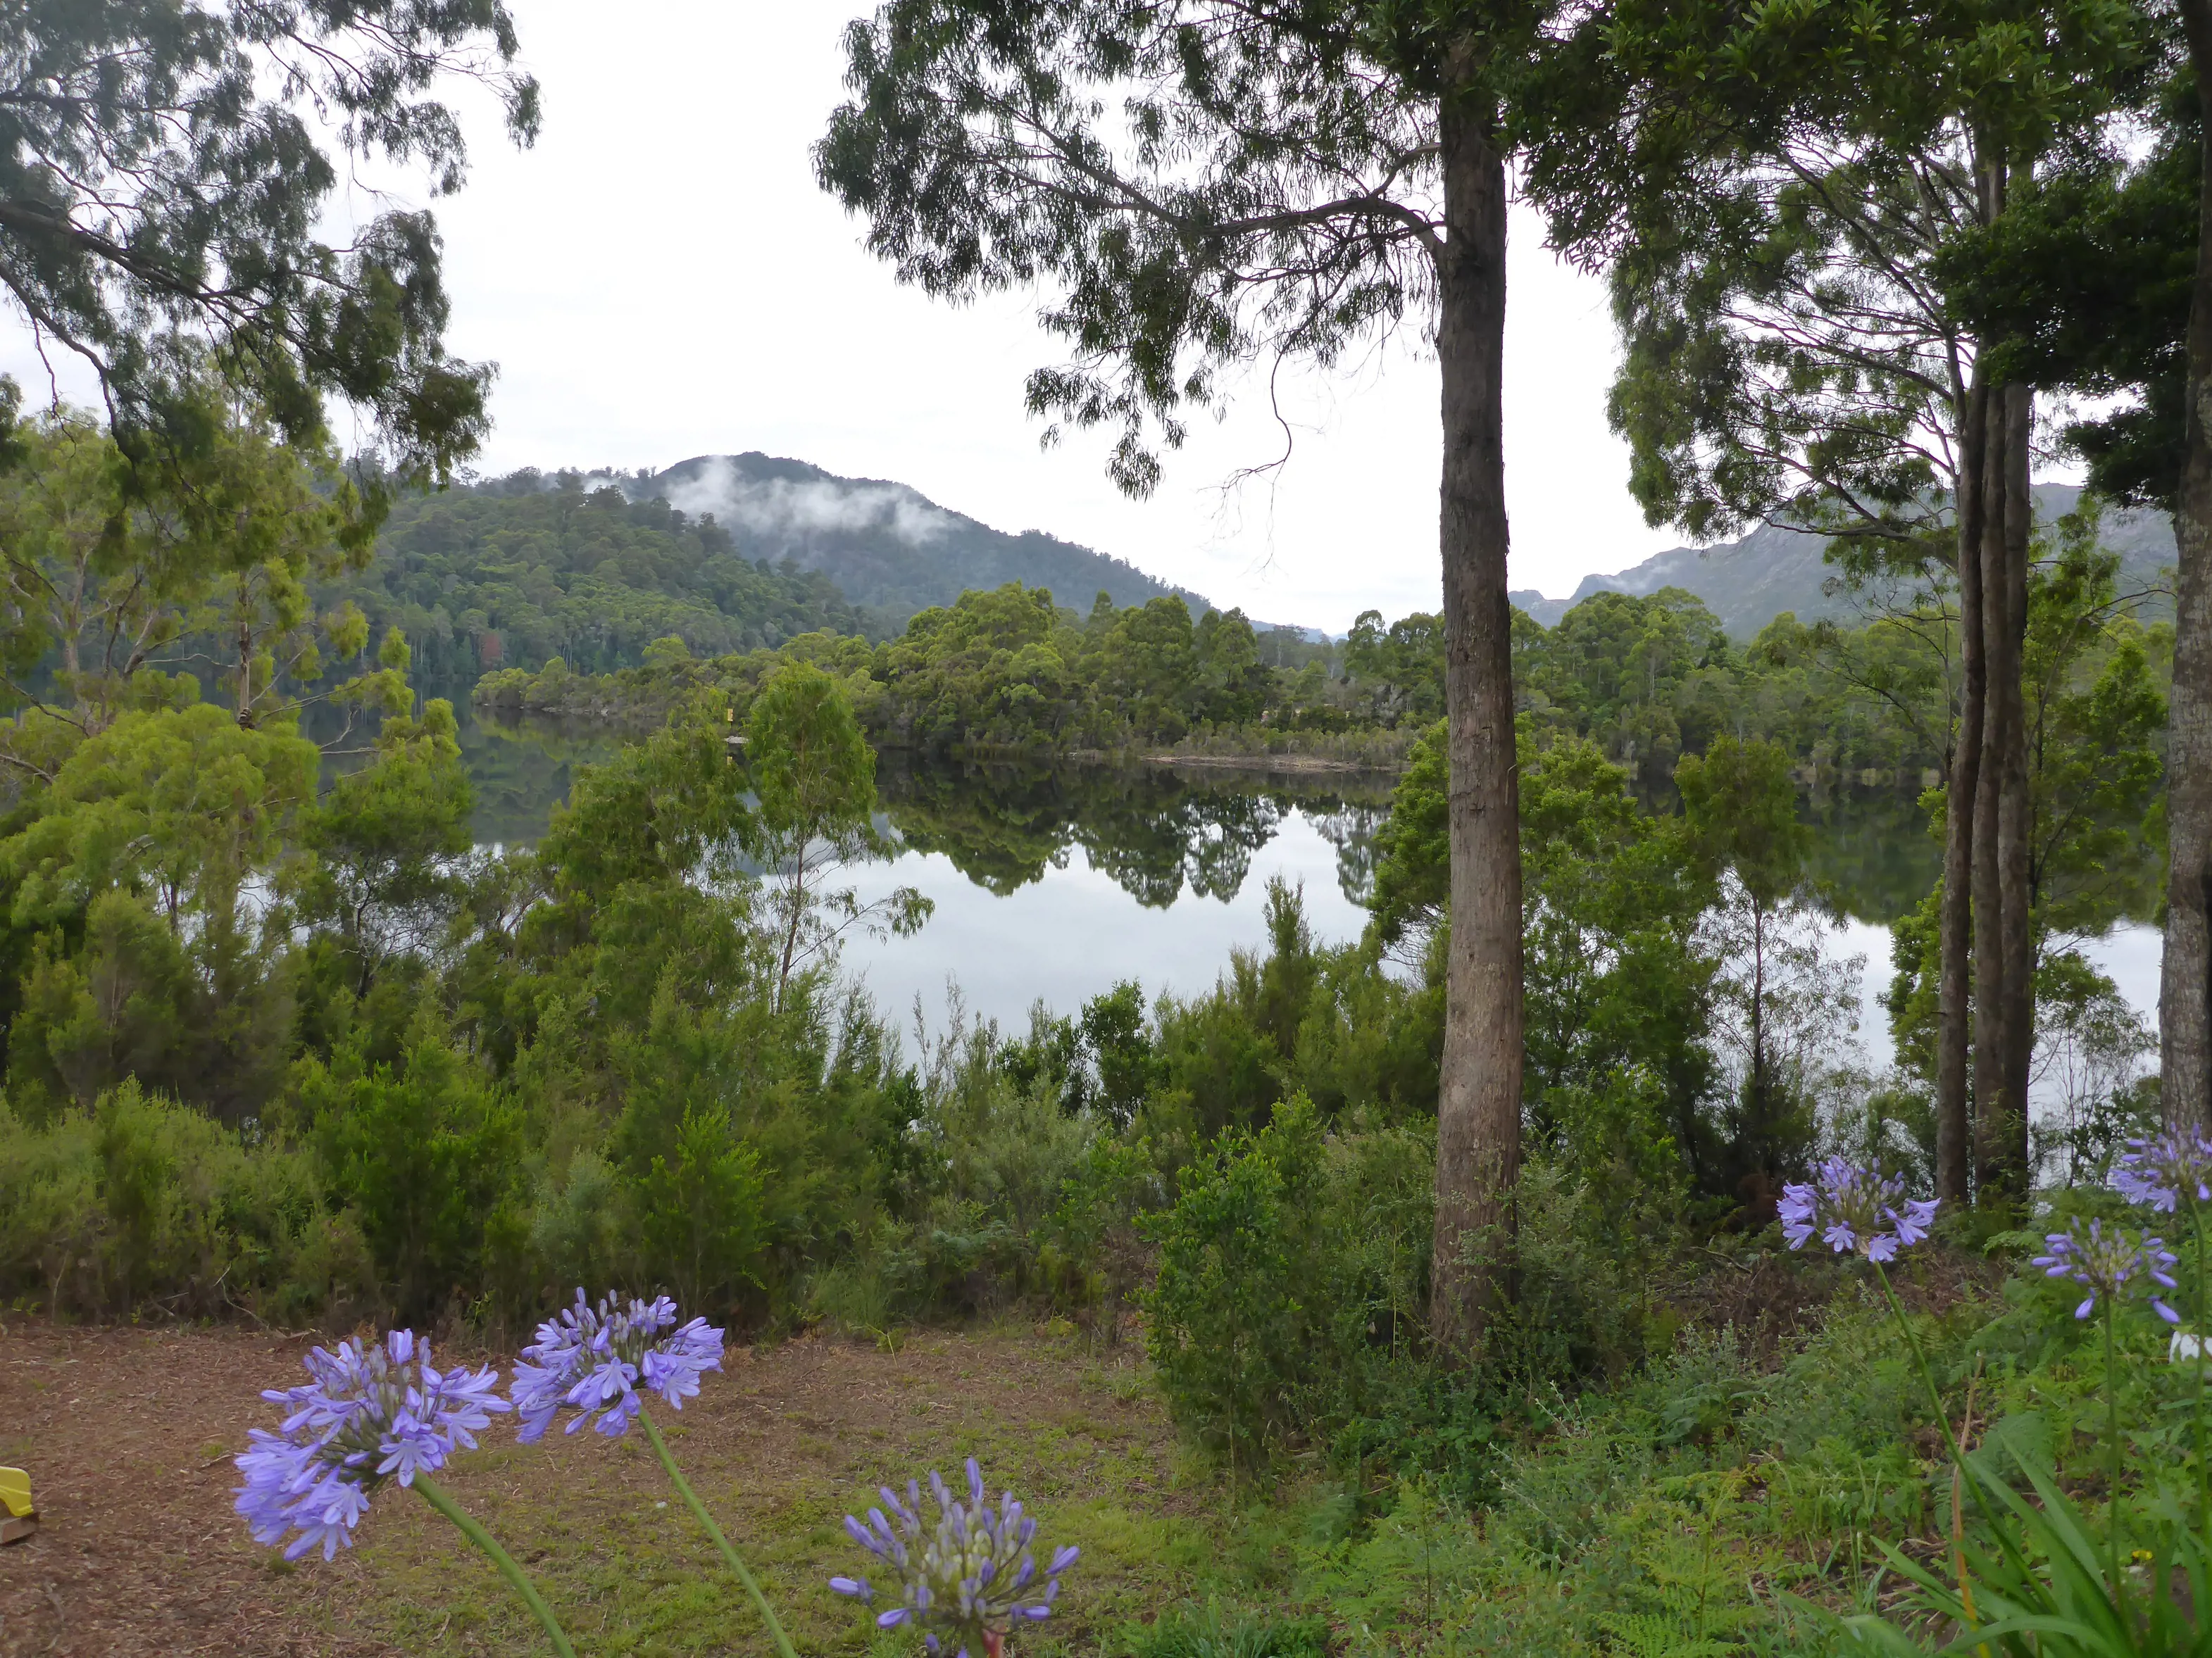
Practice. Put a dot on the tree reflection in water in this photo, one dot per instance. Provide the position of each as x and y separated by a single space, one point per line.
1155 831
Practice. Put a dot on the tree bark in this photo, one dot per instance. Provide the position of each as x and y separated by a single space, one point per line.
1478 1099
2184 998
1955 925
1989 1046
2002 1020
2015 809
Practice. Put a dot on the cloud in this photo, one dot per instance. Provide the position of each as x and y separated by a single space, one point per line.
779 507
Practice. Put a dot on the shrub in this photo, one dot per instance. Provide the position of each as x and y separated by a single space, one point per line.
702 1219
140 1202
1292 1271
429 1155
989 1152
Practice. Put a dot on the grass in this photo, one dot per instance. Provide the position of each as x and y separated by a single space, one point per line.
779 1451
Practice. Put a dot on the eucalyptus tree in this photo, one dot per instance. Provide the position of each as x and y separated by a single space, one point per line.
1779 191
2186 974
123 580
814 777
2105 283
1199 184
166 170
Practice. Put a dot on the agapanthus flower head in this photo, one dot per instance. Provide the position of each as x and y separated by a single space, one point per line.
594 1359
963 1582
2166 1170
1856 1211
2110 1262
371 1412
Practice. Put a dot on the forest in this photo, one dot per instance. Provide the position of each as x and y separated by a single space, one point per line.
528 568
510 572
1536 1262
1647 678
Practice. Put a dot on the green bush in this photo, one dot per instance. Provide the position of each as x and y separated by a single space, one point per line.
975 1183
142 1202
1238 1327
702 1224
1292 1269
429 1155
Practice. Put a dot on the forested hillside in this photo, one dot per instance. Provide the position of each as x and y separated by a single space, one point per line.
728 553
529 567
890 548
1749 581
1647 678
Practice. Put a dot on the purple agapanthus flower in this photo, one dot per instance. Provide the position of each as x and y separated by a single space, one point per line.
2166 1170
1856 1211
968 1581
2109 1263
372 1411
595 1359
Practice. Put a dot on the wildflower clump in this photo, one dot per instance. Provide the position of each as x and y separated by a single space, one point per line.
2113 1264
2166 1170
1856 1211
594 1359
968 1581
371 1412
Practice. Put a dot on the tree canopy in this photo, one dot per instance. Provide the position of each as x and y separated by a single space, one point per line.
166 174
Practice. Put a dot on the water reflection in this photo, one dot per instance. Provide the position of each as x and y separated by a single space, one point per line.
519 772
1873 850
1034 868
1161 832
1156 832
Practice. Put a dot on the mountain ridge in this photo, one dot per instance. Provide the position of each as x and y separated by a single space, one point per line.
1749 581
888 547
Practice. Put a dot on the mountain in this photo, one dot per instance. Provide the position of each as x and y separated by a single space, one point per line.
513 573
725 552
890 549
1749 582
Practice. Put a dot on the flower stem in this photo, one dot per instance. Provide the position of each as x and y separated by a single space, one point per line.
2196 1418
2111 1450
1956 1446
437 1498
737 1565
1927 1376
1952 1445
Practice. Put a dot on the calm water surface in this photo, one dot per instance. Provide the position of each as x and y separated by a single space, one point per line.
1055 883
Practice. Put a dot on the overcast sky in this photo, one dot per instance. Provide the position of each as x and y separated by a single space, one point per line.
660 277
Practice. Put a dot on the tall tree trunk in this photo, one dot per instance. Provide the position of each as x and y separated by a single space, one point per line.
2015 809
1989 1046
2001 1018
1955 924
2185 997
1478 1099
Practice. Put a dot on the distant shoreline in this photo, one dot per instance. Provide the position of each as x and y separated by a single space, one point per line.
1308 763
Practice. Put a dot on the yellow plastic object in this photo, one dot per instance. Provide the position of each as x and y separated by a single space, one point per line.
15 1492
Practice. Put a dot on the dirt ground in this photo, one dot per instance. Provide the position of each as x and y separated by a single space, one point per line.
128 1435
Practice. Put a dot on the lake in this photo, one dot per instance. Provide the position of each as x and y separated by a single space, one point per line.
1057 882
